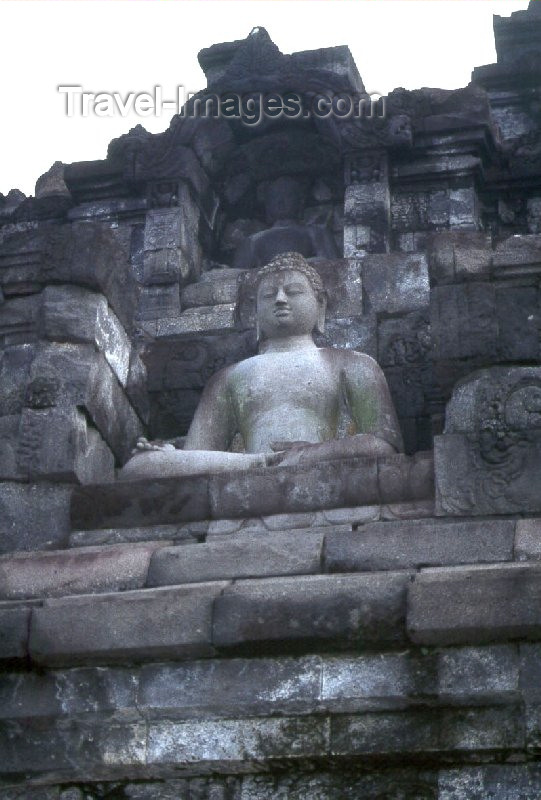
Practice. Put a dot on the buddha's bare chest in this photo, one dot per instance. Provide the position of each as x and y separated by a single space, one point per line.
284 380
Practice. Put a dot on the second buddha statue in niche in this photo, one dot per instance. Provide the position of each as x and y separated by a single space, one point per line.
283 201
286 401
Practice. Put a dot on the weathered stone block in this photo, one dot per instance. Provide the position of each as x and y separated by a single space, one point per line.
217 287
14 627
271 490
57 444
157 302
136 625
70 693
348 482
464 322
83 571
394 283
382 680
415 543
15 363
475 605
519 317
18 320
454 255
54 748
469 675
515 254
275 554
74 314
357 332
347 784
165 534
207 319
509 781
141 503
75 375
229 743
34 516
230 688
528 540
357 611
422 731
9 446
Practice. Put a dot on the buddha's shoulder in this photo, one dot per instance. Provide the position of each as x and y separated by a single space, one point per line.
345 357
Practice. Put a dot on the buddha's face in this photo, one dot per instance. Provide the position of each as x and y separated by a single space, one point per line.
287 305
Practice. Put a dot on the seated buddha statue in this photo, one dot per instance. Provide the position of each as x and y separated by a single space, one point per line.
285 402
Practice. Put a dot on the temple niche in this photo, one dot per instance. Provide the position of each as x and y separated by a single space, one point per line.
361 621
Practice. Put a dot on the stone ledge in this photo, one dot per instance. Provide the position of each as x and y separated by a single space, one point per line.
257 552
255 556
343 611
116 749
497 780
138 625
211 688
68 572
259 492
470 604
475 604
414 543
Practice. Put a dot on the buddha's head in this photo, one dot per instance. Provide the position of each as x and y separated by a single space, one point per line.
291 299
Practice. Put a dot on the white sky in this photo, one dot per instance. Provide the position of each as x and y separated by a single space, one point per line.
132 45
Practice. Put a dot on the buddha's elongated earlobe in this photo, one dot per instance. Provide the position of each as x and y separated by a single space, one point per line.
320 325
257 328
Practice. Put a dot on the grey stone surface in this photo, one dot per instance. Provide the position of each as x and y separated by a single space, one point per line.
509 781
464 605
230 688
354 611
83 571
217 287
71 693
212 744
378 681
275 554
14 626
23 509
471 674
206 319
454 255
9 445
58 444
415 543
149 624
395 282
267 491
165 534
346 784
141 503
528 540
74 314
75 375
451 730
463 321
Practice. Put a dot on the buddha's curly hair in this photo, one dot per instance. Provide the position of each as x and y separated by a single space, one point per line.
287 261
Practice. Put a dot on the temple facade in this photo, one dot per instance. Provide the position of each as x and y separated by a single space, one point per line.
367 626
